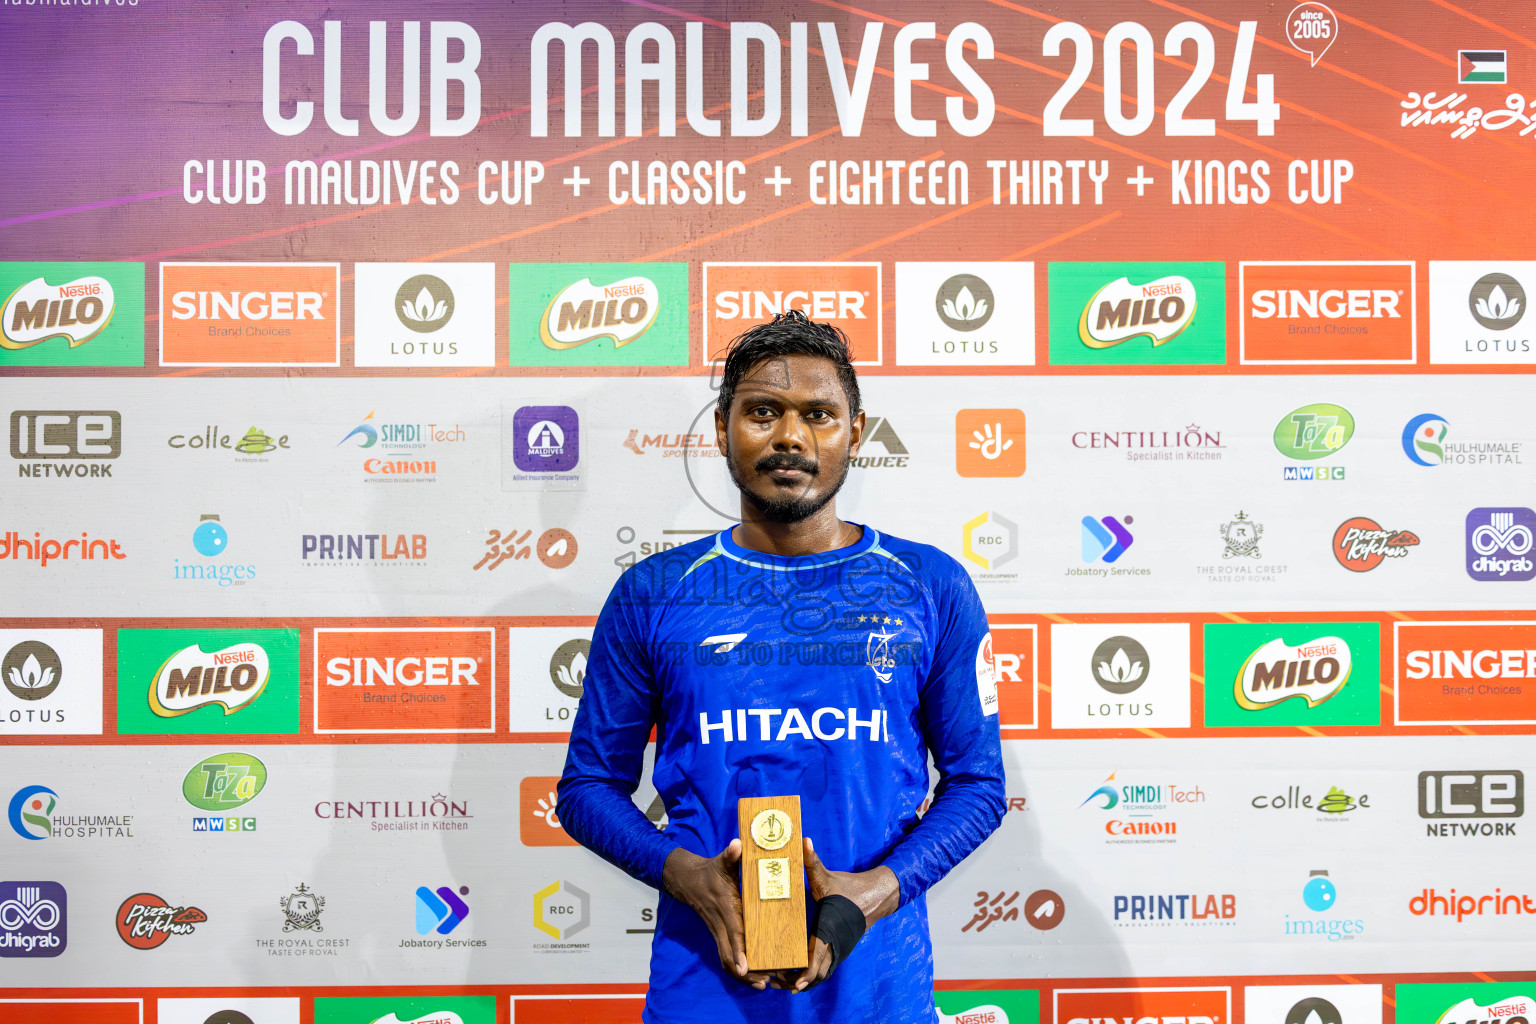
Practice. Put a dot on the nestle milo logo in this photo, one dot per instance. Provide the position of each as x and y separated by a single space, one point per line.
76 310
224 781
193 678
584 312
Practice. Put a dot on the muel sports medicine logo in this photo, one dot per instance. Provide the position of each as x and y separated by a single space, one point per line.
72 314
1131 314
598 314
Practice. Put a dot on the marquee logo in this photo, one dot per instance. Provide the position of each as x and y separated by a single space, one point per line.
231 678
1292 673
1499 542
1466 672
584 312
1360 544
1313 671
1158 311
145 921
407 680
1329 312
72 314
34 919
190 681
845 295
250 314
1138 313
75 311
598 314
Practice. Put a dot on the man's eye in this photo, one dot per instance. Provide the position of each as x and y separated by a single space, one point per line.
762 410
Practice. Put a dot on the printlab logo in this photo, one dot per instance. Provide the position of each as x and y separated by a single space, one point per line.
31 812
72 314
964 303
1105 539
145 921
301 910
31 670
440 910
990 541
1120 665
34 919
1499 542
561 910
1138 313
1360 544
86 440
1482 67
989 442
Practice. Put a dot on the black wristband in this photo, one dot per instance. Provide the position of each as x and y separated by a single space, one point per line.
840 924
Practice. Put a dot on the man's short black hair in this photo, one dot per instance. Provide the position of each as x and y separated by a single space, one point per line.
789 333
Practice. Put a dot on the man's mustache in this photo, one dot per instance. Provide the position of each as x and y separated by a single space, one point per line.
785 460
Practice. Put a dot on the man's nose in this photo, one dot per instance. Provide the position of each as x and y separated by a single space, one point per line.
790 433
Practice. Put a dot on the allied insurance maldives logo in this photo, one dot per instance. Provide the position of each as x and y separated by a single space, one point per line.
192 681
1135 314
846 295
598 314
72 314
250 314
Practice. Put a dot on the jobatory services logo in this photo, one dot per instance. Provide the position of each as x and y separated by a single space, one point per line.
50 682
1131 314
32 816
598 314
440 910
541 448
250 314
1292 673
145 921
538 825
224 782
1466 803
1001 1006
1477 312
1465 672
1104 540
72 314
1327 313
66 443
738 296
406 680
192 681
1360 544
1499 542
1310 433
965 314
1427 441
990 442
1314 1004
1468 1002
1194 1005
424 314
34 919
1120 675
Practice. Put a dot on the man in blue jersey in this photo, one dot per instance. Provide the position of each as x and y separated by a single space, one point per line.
792 654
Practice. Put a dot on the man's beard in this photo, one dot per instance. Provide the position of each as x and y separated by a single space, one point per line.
784 508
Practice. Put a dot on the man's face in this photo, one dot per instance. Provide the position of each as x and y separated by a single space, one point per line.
789 437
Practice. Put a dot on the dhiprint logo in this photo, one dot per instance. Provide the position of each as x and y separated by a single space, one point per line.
1120 665
1497 301
1499 542
538 825
1424 439
1105 539
964 303
145 921
598 314
88 439
1477 312
424 304
31 670
34 919
965 314
1360 544
31 812
424 314
441 910
989 442
72 314
250 314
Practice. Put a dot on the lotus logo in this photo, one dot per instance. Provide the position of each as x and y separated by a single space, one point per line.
1120 665
38 311
31 670
964 302
1497 301
568 667
424 303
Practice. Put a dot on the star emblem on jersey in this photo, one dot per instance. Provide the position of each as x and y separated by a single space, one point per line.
877 654
723 643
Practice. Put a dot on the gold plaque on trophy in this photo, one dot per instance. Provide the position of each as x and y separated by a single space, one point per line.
773 882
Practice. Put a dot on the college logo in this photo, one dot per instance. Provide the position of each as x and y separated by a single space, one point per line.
426 680
1192 1005
1292 674
222 783
990 541
188 681
1499 542
440 910
538 825
1477 312
1314 432
598 314
1105 539
1120 675
34 919
1465 672
738 296
989 442
424 314
301 910
1471 803
561 910
1330 312
72 314
1138 313
1335 802
1360 544
251 445
86 439
965 314
250 314
145 921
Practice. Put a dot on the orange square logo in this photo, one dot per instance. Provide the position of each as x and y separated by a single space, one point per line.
1013 666
1192 1005
1466 673
536 821
738 296
989 442
405 680
250 314
1318 313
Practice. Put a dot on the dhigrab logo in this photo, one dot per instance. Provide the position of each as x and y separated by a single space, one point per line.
1499 542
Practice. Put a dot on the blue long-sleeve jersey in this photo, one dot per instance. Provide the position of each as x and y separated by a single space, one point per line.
832 676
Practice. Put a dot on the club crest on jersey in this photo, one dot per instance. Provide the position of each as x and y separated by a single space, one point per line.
877 654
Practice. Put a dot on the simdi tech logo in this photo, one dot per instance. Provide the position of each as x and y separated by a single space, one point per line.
72 314
1138 314
250 314
1326 313
207 681
424 314
406 680
598 314
1478 312
1292 674
846 295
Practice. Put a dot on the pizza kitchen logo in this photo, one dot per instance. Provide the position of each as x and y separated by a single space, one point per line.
1360 544
145 921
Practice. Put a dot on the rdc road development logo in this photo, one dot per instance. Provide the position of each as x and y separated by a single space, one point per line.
965 314
1138 314
1299 673
598 314
145 921
1360 544
72 314
989 542
207 681
424 314
34 919
1477 312
561 911
1499 542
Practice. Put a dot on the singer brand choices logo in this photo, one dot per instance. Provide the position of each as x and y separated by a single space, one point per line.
989 442
1292 673
405 680
72 314
1130 314
250 314
598 314
741 295
190 681
1327 312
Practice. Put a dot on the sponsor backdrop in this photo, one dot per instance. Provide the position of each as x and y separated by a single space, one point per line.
351 352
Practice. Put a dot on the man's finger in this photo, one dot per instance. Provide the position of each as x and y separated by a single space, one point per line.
815 871
731 855
818 967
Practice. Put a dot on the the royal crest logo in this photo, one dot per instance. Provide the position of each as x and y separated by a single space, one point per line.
1159 311
1277 671
583 312
1242 537
193 678
301 910
145 921
76 310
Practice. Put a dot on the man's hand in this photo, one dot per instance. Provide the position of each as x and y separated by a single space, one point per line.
708 885
875 892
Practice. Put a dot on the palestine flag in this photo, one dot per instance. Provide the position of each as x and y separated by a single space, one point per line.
1483 66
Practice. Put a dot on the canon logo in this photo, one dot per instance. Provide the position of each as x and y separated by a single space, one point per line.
409 671
262 305
1333 304
818 305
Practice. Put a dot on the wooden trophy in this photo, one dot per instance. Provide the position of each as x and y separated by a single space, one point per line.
773 882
